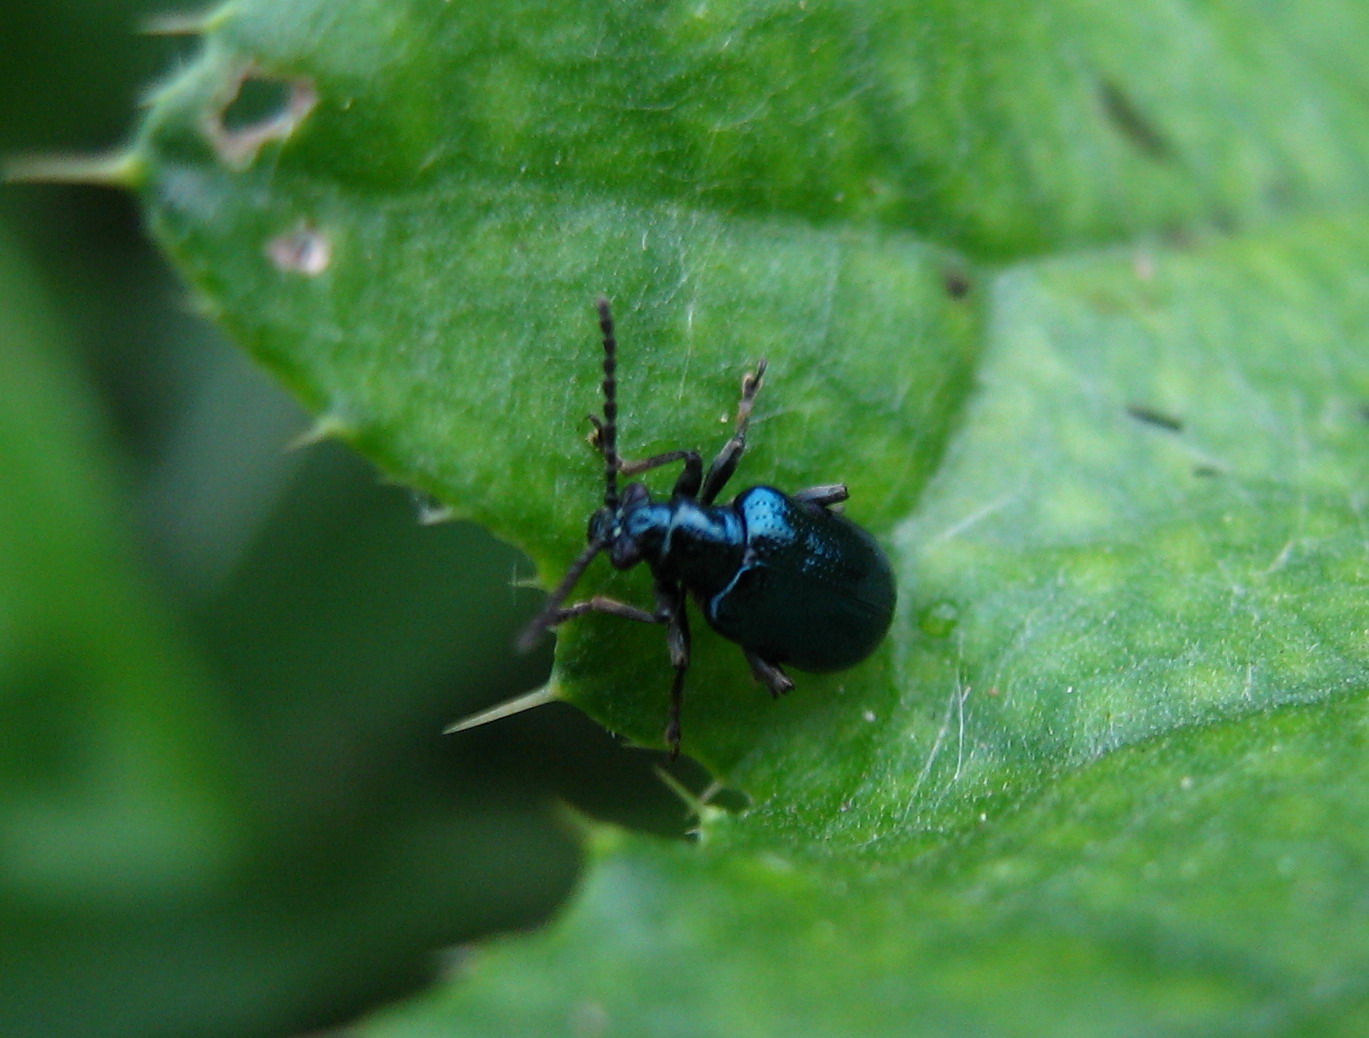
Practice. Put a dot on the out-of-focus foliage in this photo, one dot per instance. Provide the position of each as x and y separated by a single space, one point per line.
225 805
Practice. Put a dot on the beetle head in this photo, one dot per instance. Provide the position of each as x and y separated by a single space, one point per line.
614 529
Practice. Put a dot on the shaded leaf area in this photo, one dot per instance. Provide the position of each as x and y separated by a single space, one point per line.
1191 885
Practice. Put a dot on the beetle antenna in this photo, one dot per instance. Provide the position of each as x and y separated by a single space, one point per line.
607 431
549 616
606 439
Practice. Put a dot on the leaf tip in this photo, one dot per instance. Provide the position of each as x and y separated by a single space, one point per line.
432 512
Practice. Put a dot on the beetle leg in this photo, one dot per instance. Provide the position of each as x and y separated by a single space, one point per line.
611 606
688 483
823 496
726 462
690 478
769 674
672 606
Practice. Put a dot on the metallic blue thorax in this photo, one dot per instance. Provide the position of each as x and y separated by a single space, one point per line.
795 582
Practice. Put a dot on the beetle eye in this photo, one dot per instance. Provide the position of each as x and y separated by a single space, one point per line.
600 527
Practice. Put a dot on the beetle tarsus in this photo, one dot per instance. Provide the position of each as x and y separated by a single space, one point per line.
693 464
824 496
548 617
751 384
769 674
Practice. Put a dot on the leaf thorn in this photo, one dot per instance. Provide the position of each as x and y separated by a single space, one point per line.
123 170
516 705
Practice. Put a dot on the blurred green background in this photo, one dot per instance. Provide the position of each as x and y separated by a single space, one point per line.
225 804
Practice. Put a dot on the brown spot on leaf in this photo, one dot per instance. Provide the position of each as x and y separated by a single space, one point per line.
305 250
1132 123
1159 419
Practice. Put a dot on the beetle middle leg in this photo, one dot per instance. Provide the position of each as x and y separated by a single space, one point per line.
672 599
726 462
769 674
670 611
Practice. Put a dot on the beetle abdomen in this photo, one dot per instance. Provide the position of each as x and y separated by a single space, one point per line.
814 590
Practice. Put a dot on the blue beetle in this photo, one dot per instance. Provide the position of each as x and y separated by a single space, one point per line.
782 575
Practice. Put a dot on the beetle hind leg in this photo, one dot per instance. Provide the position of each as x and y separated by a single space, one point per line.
824 496
769 674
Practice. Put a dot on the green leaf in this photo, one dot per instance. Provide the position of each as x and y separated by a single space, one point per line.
1072 298
1188 886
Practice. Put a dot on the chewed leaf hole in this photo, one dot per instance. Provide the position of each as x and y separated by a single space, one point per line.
258 102
260 108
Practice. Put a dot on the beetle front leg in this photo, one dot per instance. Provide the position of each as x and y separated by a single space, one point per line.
726 462
690 479
769 674
609 606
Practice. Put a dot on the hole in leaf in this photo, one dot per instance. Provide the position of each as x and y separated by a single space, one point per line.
259 108
258 101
